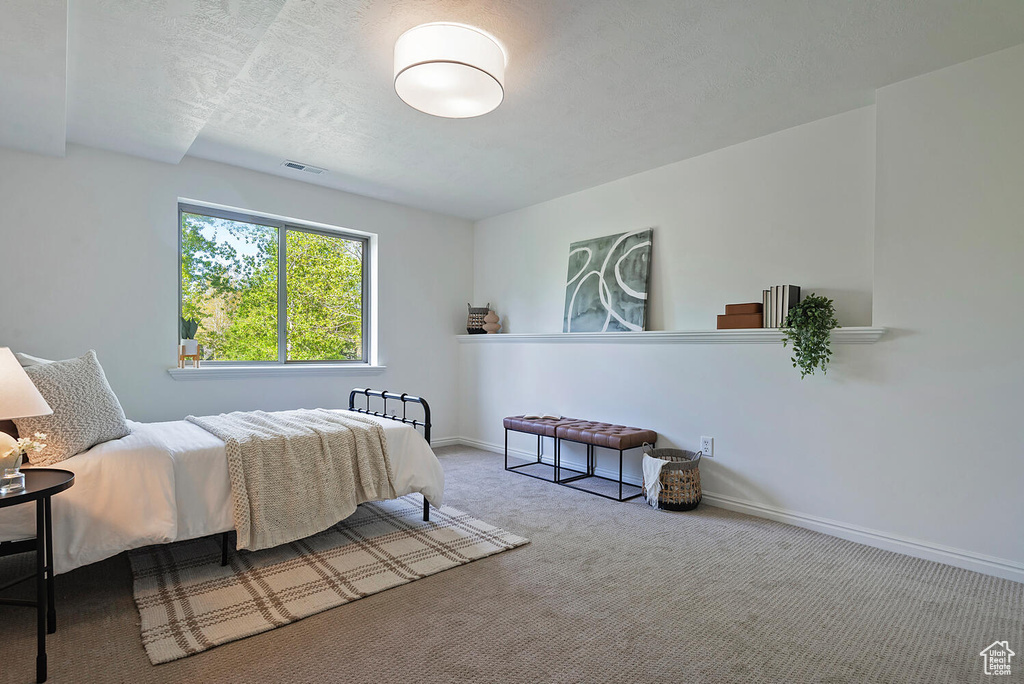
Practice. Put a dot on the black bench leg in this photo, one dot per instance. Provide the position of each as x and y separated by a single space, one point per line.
558 459
506 448
224 549
426 506
620 474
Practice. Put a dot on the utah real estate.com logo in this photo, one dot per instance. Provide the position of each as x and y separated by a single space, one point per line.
997 658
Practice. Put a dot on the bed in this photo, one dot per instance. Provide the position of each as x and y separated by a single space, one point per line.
169 482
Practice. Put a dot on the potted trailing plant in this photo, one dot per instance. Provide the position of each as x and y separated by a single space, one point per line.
808 327
189 328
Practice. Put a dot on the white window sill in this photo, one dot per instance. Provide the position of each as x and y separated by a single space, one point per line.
282 370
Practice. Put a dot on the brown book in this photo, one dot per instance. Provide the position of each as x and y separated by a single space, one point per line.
753 307
741 320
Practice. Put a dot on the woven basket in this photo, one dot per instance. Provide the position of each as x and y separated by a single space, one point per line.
475 321
680 479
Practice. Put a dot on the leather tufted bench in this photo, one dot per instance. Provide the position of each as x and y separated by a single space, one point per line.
545 427
588 432
606 435
542 427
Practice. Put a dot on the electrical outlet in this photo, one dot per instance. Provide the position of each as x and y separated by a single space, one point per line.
707 446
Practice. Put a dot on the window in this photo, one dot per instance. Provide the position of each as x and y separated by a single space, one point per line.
272 291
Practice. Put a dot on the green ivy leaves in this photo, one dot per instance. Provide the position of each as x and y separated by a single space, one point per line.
809 327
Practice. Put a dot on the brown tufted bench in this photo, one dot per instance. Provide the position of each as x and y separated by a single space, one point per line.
608 435
542 427
590 433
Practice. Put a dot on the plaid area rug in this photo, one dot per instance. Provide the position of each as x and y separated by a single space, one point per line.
189 603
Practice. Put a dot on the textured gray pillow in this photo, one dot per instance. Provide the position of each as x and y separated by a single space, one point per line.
85 410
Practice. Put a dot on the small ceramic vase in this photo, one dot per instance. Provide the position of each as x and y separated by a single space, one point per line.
492 323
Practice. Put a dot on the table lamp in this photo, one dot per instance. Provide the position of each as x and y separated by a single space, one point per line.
19 398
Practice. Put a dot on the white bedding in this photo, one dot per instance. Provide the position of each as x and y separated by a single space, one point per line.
168 482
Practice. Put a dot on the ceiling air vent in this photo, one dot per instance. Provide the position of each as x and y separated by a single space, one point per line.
316 170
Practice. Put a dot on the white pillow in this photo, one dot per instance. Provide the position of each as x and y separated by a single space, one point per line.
85 409
27 360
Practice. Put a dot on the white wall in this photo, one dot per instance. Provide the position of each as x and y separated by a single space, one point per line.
914 443
794 207
949 249
90 261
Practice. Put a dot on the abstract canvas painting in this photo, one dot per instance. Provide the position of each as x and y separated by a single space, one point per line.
606 287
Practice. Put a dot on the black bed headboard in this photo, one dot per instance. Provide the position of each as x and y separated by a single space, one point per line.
384 396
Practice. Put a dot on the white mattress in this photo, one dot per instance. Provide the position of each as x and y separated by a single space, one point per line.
168 482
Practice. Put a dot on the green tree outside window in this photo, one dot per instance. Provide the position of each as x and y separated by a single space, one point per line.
229 283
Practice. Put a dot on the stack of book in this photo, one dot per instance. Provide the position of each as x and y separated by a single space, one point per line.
741 316
776 303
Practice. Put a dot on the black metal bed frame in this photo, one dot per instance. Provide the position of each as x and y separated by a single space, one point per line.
383 395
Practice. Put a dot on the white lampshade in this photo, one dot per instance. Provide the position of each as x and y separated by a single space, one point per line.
450 70
19 398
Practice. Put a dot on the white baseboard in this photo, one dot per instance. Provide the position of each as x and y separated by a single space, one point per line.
969 560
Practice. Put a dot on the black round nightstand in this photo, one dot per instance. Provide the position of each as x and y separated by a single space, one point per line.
40 485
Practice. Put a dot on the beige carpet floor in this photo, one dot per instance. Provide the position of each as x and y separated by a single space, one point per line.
606 592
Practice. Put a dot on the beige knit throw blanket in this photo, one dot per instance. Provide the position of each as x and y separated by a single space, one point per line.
296 473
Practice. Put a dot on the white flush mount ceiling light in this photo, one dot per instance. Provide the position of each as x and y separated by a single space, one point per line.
450 70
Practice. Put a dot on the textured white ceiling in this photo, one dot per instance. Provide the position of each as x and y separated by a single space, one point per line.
595 89
33 52
145 75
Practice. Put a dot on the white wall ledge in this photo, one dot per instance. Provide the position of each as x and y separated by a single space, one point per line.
281 370
856 335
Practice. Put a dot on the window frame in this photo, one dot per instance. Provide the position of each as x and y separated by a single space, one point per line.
283 225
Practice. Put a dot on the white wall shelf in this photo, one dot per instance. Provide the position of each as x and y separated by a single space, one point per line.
857 335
